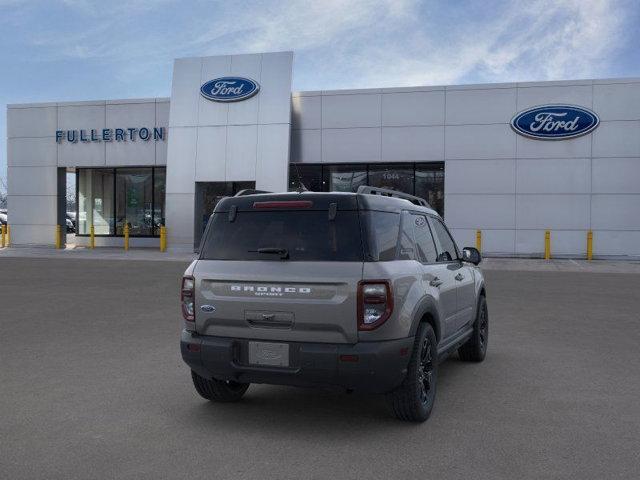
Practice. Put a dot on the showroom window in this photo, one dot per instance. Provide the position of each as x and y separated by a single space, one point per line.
425 180
110 198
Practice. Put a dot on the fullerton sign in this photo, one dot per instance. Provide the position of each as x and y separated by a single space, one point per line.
110 135
555 122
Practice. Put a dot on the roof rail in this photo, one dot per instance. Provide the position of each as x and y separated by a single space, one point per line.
249 191
384 192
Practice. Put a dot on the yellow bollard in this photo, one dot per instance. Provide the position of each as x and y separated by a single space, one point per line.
163 238
479 240
3 234
8 235
58 237
92 237
589 245
547 244
126 237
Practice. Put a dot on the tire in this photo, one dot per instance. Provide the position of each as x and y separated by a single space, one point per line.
218 390
475 349
413 400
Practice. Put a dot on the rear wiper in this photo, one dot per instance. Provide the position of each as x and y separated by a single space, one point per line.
283 252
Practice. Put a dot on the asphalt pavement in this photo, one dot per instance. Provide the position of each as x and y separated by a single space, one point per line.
92 386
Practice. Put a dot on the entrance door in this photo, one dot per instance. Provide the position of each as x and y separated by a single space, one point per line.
208 194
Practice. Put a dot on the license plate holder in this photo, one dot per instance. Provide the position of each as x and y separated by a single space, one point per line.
269 354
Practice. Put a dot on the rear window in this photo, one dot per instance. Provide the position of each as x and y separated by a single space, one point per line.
307 235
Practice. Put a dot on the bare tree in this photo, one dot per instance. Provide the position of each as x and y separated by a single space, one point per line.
3 193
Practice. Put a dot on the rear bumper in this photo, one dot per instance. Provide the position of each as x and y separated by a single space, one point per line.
379 368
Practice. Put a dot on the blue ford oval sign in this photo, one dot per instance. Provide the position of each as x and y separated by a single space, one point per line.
229 89
555 122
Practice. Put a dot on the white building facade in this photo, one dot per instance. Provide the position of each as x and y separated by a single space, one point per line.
152 162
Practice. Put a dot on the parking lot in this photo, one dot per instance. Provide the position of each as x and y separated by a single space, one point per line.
92 386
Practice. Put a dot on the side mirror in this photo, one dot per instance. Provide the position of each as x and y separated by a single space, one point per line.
471 255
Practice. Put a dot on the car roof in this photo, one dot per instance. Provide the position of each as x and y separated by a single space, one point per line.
322 200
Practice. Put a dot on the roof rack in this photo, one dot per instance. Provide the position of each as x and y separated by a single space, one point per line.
384 192
249 191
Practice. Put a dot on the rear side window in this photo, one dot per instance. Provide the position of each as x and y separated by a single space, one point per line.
424 241
382 234
306 235
447 250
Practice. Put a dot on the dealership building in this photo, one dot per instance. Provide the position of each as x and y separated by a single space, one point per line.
512 159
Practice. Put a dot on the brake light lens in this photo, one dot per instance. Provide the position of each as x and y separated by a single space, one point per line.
284 204
375 303
187 298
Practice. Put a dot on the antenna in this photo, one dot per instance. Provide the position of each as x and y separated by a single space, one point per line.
301 187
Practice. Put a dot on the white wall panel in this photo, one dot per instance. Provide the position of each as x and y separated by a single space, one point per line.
616 243
181 168
275 95
495 105
211 154
273 157
616 175
246 111
574 148
32 180
479 211
179 218
81 154
412 144
346 111
306 112
306 146
35 152
615 212
563 242
40 235
498 241
185 92
493 241
541 95
558 175
351 145
617 139
82 117
137 152
617 102
412 108
568 212
479 176
162 120
208 112
479 142
32 209
125 115
32 122
241 152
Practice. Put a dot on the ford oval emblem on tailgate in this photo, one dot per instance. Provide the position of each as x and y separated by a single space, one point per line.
207 308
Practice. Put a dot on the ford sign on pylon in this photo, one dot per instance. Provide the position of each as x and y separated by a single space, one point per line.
555 122
229 89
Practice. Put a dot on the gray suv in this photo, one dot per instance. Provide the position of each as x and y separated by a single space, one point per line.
362 291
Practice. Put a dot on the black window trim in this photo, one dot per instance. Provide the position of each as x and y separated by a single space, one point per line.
457 260
325 167
433 238
156 231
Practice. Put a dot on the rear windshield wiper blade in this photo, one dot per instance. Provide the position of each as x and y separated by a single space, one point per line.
283 252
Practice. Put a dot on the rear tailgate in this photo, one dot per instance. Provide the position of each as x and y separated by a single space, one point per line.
278 300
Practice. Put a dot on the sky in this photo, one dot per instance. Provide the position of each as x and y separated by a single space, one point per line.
87 50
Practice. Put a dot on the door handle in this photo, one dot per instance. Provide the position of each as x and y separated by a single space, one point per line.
459 277
436 282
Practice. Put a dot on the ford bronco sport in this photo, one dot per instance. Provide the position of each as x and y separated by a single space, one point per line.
363 291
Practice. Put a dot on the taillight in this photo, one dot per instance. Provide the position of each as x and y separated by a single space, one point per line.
187 298
375 303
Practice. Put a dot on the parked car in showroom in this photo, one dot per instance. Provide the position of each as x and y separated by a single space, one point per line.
362 291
